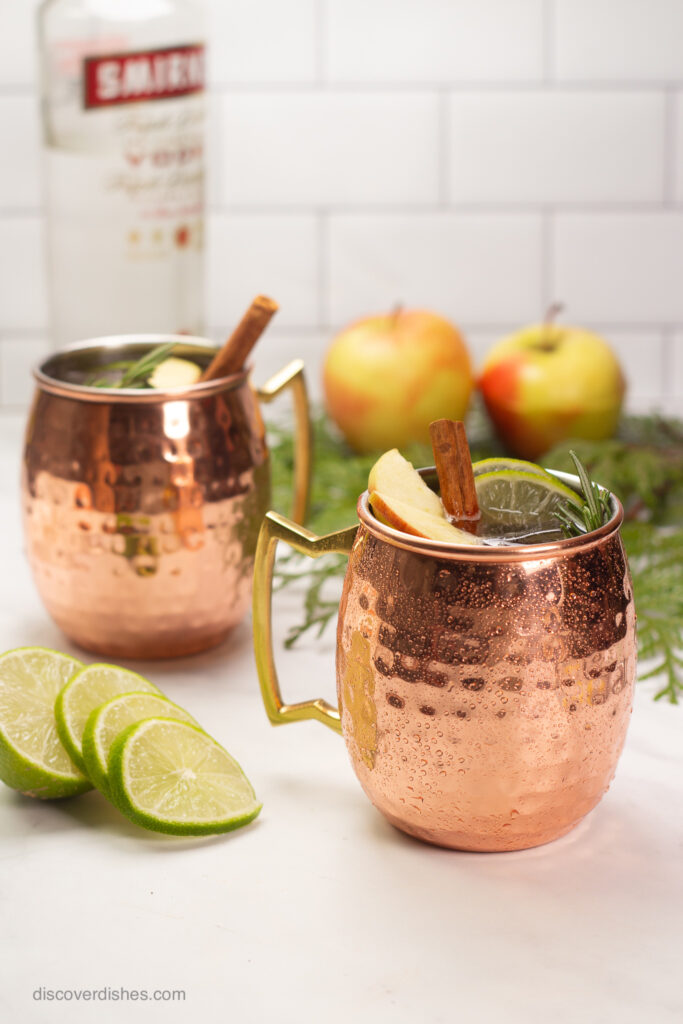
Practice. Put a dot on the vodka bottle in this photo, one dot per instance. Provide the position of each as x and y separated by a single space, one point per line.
123 115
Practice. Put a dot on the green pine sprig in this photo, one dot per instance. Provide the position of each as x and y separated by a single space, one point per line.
656 562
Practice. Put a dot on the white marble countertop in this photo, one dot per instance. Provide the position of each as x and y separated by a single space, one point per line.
321 911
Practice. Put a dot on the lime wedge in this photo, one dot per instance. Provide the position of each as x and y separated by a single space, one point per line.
31 757
521 503
108 720
496 465
171 777
93 685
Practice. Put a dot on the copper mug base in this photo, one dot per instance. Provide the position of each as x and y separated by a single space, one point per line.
142 508
484 692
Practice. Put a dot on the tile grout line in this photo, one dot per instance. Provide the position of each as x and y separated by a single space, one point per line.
669 155
547 267
443 149
323 276
666 382
547 80
485 327
321 56
397 87
549 42
374 208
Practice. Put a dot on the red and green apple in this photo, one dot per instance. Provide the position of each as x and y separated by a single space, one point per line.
549 382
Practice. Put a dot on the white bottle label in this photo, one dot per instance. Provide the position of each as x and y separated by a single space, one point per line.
126 196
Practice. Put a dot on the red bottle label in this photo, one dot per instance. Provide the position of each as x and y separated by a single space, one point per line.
117 78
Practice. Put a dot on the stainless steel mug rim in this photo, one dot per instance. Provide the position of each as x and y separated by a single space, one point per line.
44 372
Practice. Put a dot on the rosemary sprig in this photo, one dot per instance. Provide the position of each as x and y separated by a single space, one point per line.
136 373
592 513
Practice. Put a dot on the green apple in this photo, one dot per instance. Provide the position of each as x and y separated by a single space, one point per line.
387 377
549 382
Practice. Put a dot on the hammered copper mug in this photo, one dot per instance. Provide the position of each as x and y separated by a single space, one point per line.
484 692
141 507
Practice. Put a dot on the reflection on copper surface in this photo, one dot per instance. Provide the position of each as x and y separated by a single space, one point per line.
484 692
141 511
485 703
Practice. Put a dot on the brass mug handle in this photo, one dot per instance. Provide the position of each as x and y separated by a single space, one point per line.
275 528
292 376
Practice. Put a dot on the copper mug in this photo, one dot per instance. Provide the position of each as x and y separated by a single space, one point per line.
484 692
141 508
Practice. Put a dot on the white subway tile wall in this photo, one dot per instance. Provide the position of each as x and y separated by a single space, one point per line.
272 253
23 299
312 149
433 41
473 267
481 158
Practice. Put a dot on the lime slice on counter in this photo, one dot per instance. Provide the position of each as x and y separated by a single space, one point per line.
108 720
171 777
496 465
32 759
91 687
519 503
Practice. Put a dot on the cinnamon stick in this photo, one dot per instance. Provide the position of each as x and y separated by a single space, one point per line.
454 468
232 356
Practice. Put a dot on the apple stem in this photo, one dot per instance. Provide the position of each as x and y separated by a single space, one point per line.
546 343
395 313
551 313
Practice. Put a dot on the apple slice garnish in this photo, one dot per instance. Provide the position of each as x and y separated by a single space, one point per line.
407 518
394 477
175 373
